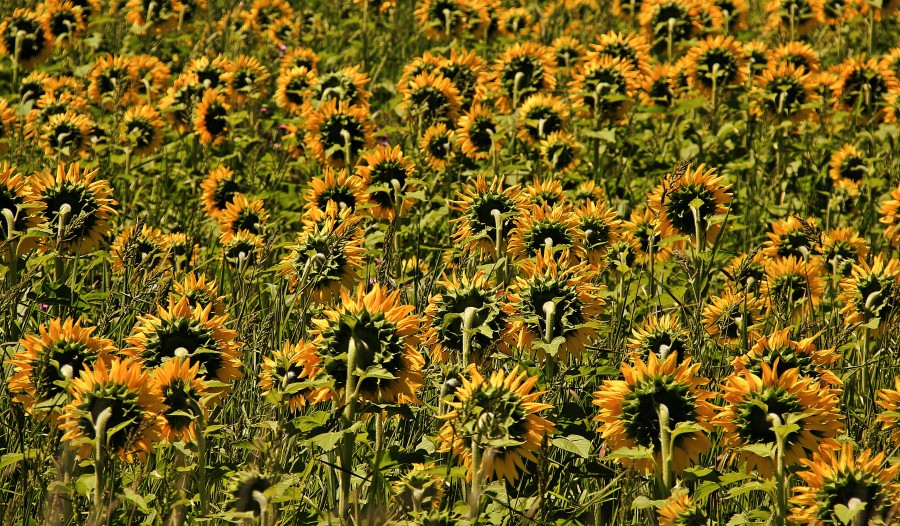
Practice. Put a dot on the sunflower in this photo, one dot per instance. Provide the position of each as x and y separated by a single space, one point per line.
337 132
841 248
659 335
8 124
716 62
143 249
211 118
199 292
551 300
560 152
542 227
293 140
781 353
181 390
679 510
870 293
288 366
63 21
674 199
446 19
178 331
34 85
601 227
521 70
486 208
514 22
498 418
569 52
129 400
549 192
290 87
890 217
219 188
754 404
864 84
142 129
747 271
46 361
20 207
248 491
246 79
66 135
420 489
734 14
346 85
180 100
242 247
586 192
437 146
151 75
665 21
794 16
791 237
626 8
76 206
158 15
605 87
630 411
63 85
786 90
371 331
847 169
183 250
388 174
326 258
430 97
889 400
34 42
466 71
659 87
337 189
631 48
284 31
425 63
210 73
644 225
797 54
300 57
263 12
242 213
113 80
729 315
539 116
790 282
479 133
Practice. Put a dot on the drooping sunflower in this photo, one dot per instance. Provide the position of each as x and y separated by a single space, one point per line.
34 42
889 213
716 63
145 248
437 146
782 353
219 188
181 389
601 227
747 271
757 53
50 105
370 330
211 118
560 152
787 91
337 132
112 82
644 225
797 54
847 169
754 404
514 22
430 97
180 101
346 85
118 398
622 256
660 335
488 214
631 48
522 70
446 19
290 87
261 13
479 133
142 129
46 361
210 73
67 135
841 478
605 86
630 411
791 236
569 52
284 369
425 63
498 417
76 206
663 21
337 189
539 116
793 16
659 87
242 213
151 76
19 200
326 258
729 315
242 247
420 489
841 248
550 300
585 192
791 282
871 291
34 85
864 84
388 174
673 202
63 21
178 331
466 71
542 227
679 510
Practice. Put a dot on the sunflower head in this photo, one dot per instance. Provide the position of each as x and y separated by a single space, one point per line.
249 491
446 19
782 353
66 135
786 90
337 190
679 510
790 282
388 174
717 62
732 315
430 97
889 213
488 213
661 18
544 227
437 146
560 152
243 213
841 248
144 248
34 41
521 70
466 71
847 169
182 390
20 207
660 335
200 292
479 133
142 129
793 16
605 86
291 87
539 116
211 118
285 371
870 293
864 85
346 85
112 81
601 228
687 202
219 188
420 489
63 21
246 79
337 132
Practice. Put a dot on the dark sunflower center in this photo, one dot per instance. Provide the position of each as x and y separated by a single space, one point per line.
79 198
126 417
640 409
330 135
66 135
210 76
596 232
719 63
180 398
601 88
619 49
799 9
546 121
849 485
185 337
248 220
444 13
11 201
874 297
463 78
244 500
752 419
507 422
785 94
486 323
336 86
482 214
30 90
216 119
853 168
666 340
294 90
326 270
480 135
142 131
32 42
560 155
864 88
340 195
536 238
224 192
787 357
383 174
682 26
244 79
789 288
440 146
793 243
111 79
62 22
678 208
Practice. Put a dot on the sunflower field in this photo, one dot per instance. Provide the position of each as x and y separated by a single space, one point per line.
436 262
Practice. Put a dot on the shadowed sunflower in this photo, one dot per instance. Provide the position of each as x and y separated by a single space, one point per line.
8 124
522 70
545 227
560 152
864 85
605 86
715 63
428 98
466 71
199 292
552 300
734 14
67 135
242 247
120 403
426 63
145 249
178 331
514 22
76 206
375 334
870 293
249 493
338 132
181 390
497 419
158 15
34 42
835 12
539 116
860 481
437 146
569 52
466 319
300 57
209 73
326 259
643 224
63 21
659 335
337 189
183 250
847 169
242 213
659 87
746 271
631 409
601 227
219 188
678 510
790 282
889 213
889 400
787 91
446 19
262 13
631 48
549 192
142 129
841 248
180 101
113 82
290 88
50 105
246 79
211 118
488 215
420 489
668 22
388 175
686 203
781 353
45 362
20 208
287 367
791 237
754 404
797 54
151 75
792 16
35 85
478 134
346 85
626 8
730 314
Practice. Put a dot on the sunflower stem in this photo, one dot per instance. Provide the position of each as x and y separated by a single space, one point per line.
669 39
201 464
477 474
468 319
549 309
348 442
665 443
99 457
780 476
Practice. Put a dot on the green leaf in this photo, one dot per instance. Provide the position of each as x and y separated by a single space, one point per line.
846 514
138 500
576 444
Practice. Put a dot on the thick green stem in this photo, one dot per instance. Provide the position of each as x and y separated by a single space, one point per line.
780 516
468 319
348 442
665 441
100 455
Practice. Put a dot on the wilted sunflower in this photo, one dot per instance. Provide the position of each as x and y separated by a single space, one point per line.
605 86
678 510
63 21
211 118
889 212
290 88
288 366
498 417
437 146
466 317
667 22
145 249
337 189
787 91
539 116
76 207
791 237
479 134
864 84
889 400
601 227
551 300
181 390
790 282
522 70
630 411
178 331
371 331
731 313
326 258
754 404
242 213
142 129
715 63
338 132
660 335
388 175
219 188
446 19
560 152
847 169
542 227
112 82
67 135
792 16
151 75
488 215
121 400
300 57
841 248
199 292
860 481
34 42
246 79
346 85
781 353
548 192
870 293
20 207
673 202
430 97
466 71
46 361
